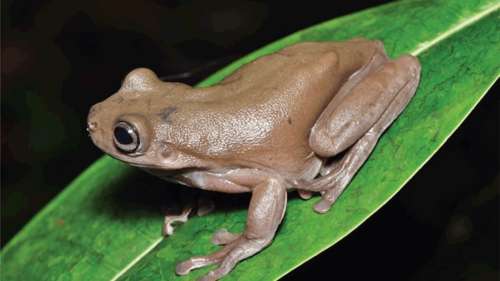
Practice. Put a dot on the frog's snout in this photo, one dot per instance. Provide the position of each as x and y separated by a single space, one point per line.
91 123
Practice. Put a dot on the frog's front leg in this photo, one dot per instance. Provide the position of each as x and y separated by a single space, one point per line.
267 208
358 121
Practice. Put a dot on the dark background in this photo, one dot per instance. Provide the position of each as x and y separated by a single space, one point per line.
60 57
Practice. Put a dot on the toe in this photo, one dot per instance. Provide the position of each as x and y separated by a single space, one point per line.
171 219
226 266
322 206
184 268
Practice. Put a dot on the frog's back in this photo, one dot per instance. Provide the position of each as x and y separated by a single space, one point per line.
302 76
263 112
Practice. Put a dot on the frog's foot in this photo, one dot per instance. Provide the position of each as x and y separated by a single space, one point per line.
265 213
224 237
334 183
227 257
171 219
393 83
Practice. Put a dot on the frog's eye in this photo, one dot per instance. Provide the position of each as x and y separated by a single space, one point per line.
125 137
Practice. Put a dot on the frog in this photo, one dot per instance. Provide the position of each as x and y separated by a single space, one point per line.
304 118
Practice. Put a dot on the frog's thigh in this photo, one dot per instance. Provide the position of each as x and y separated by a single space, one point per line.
345 122
334 183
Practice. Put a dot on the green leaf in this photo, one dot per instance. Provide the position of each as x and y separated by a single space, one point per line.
102 226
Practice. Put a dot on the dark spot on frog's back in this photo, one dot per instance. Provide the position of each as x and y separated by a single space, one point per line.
289 121
165 114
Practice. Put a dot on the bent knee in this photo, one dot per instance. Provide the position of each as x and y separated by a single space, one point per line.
324 145
411 63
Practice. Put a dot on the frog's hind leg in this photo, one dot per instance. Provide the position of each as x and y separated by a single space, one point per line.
368 110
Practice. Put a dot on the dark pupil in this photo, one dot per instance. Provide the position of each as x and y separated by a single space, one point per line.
122 136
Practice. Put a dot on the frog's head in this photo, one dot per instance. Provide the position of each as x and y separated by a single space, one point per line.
132 125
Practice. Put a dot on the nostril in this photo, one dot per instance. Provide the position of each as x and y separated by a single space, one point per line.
91 126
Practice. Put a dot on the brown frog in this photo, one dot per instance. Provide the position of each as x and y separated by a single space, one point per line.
274 125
